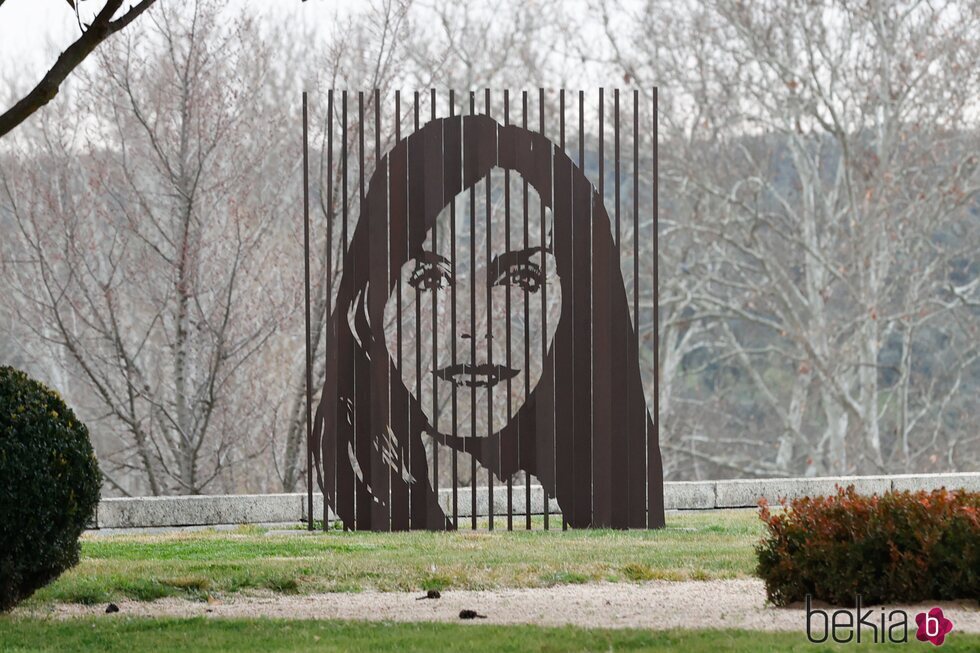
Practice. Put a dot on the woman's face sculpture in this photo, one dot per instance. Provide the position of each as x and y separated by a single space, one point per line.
487 269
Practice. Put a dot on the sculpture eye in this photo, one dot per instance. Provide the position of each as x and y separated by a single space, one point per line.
525 275
430 276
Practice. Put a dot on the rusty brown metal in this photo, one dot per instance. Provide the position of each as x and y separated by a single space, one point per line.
564 395
416 234
360 265
655 473
398 249
330 361
524 450
579 422
341 385
637 398
434 201
506 155
602 396
306 288
545 426
453 140
581 515
470 159
377 210
620 337
492 453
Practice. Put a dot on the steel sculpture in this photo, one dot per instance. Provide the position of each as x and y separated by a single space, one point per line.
481 317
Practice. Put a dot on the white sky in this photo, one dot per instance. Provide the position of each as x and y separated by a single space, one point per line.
34 32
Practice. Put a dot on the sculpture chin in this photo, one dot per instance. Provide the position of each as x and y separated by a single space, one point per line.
463 464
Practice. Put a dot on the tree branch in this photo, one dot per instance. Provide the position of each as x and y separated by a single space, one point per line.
101 28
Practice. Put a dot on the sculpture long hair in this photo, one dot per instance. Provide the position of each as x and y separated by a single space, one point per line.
602 464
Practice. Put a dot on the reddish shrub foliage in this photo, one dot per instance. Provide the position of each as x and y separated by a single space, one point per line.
900 546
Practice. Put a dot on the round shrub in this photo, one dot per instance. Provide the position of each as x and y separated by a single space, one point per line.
898 547
49 486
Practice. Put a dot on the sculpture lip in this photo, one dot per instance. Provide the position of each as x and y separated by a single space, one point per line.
485 375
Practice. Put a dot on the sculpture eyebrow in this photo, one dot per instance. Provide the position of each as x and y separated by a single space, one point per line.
432 258
513 257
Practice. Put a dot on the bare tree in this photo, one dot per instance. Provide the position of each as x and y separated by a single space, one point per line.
149 253
822 154
819 233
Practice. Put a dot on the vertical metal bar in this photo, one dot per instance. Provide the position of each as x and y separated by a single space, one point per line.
526 442
345 474
507 325
398 230
434 201
383 353
343 156
377 126
563 240
416 166
378 259
490 459
472 333
581 131
331 359
616 156
636 216
619 324
601 354
433 194
362 433
638 407
582 291
654 470
602 137
545 436
306 285
562 453
453 186
564 341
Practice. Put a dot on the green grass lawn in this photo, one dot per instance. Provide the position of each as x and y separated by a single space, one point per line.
701 545
126 635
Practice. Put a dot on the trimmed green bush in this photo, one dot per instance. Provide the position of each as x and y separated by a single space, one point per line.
900 546
49 486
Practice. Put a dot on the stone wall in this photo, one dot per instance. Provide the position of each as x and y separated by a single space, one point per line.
149 512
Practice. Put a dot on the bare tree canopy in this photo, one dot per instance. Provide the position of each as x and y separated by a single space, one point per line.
821 189
819 194
164 223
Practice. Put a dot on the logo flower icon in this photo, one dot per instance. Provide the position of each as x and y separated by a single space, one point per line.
933 626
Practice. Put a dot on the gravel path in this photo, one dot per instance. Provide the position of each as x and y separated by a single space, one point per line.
656 605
